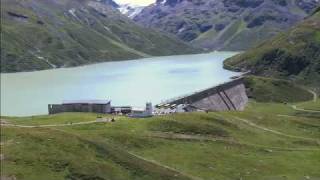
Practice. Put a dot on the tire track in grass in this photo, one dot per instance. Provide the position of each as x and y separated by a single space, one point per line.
123 157
250 123
298 120
174 172
164 166
315 98
294 107
51 125
177 136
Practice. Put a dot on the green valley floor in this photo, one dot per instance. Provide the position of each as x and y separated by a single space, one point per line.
268 141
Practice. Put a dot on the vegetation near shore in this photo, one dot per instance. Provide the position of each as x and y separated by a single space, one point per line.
267 141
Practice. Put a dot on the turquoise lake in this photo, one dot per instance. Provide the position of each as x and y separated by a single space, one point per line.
131 82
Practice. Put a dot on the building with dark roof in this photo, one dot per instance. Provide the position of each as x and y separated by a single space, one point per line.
94 106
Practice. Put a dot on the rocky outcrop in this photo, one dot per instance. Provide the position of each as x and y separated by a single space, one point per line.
13 14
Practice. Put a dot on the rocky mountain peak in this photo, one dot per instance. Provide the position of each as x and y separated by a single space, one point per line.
109 2
307 5
169 2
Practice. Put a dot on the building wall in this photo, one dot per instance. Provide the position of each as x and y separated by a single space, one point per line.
56 108
95 108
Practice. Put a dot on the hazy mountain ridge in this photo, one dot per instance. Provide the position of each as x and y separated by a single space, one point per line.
43 34
110 3
294 54
225 24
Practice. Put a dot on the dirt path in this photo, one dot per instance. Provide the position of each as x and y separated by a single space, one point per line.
189 137
155 163
250 123
176 136
304 110
92 122
315 96
164 166
275 131
50 125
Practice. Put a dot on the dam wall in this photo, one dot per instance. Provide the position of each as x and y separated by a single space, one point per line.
230 96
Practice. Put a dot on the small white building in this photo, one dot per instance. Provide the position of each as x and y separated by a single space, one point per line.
142 112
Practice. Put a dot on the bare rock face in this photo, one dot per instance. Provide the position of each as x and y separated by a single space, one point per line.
109 2
225 24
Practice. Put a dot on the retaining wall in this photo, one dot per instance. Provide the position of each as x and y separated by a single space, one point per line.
224 97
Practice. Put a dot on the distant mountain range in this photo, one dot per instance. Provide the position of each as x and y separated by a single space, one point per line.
225 24
294 54
44 34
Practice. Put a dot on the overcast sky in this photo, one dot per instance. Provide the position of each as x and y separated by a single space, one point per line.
136 2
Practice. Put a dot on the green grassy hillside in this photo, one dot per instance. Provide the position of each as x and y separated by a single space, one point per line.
266 141
275 90
38 34
294 54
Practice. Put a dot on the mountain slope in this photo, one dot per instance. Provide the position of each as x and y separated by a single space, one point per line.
294 54
37 34
225 24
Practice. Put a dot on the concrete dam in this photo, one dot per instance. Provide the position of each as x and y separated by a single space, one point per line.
229 96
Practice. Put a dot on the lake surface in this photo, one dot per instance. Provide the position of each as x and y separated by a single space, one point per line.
125 83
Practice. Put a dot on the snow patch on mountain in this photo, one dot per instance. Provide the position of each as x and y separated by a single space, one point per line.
130 10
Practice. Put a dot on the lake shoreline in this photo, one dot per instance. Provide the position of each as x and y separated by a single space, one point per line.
132 82
115 61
